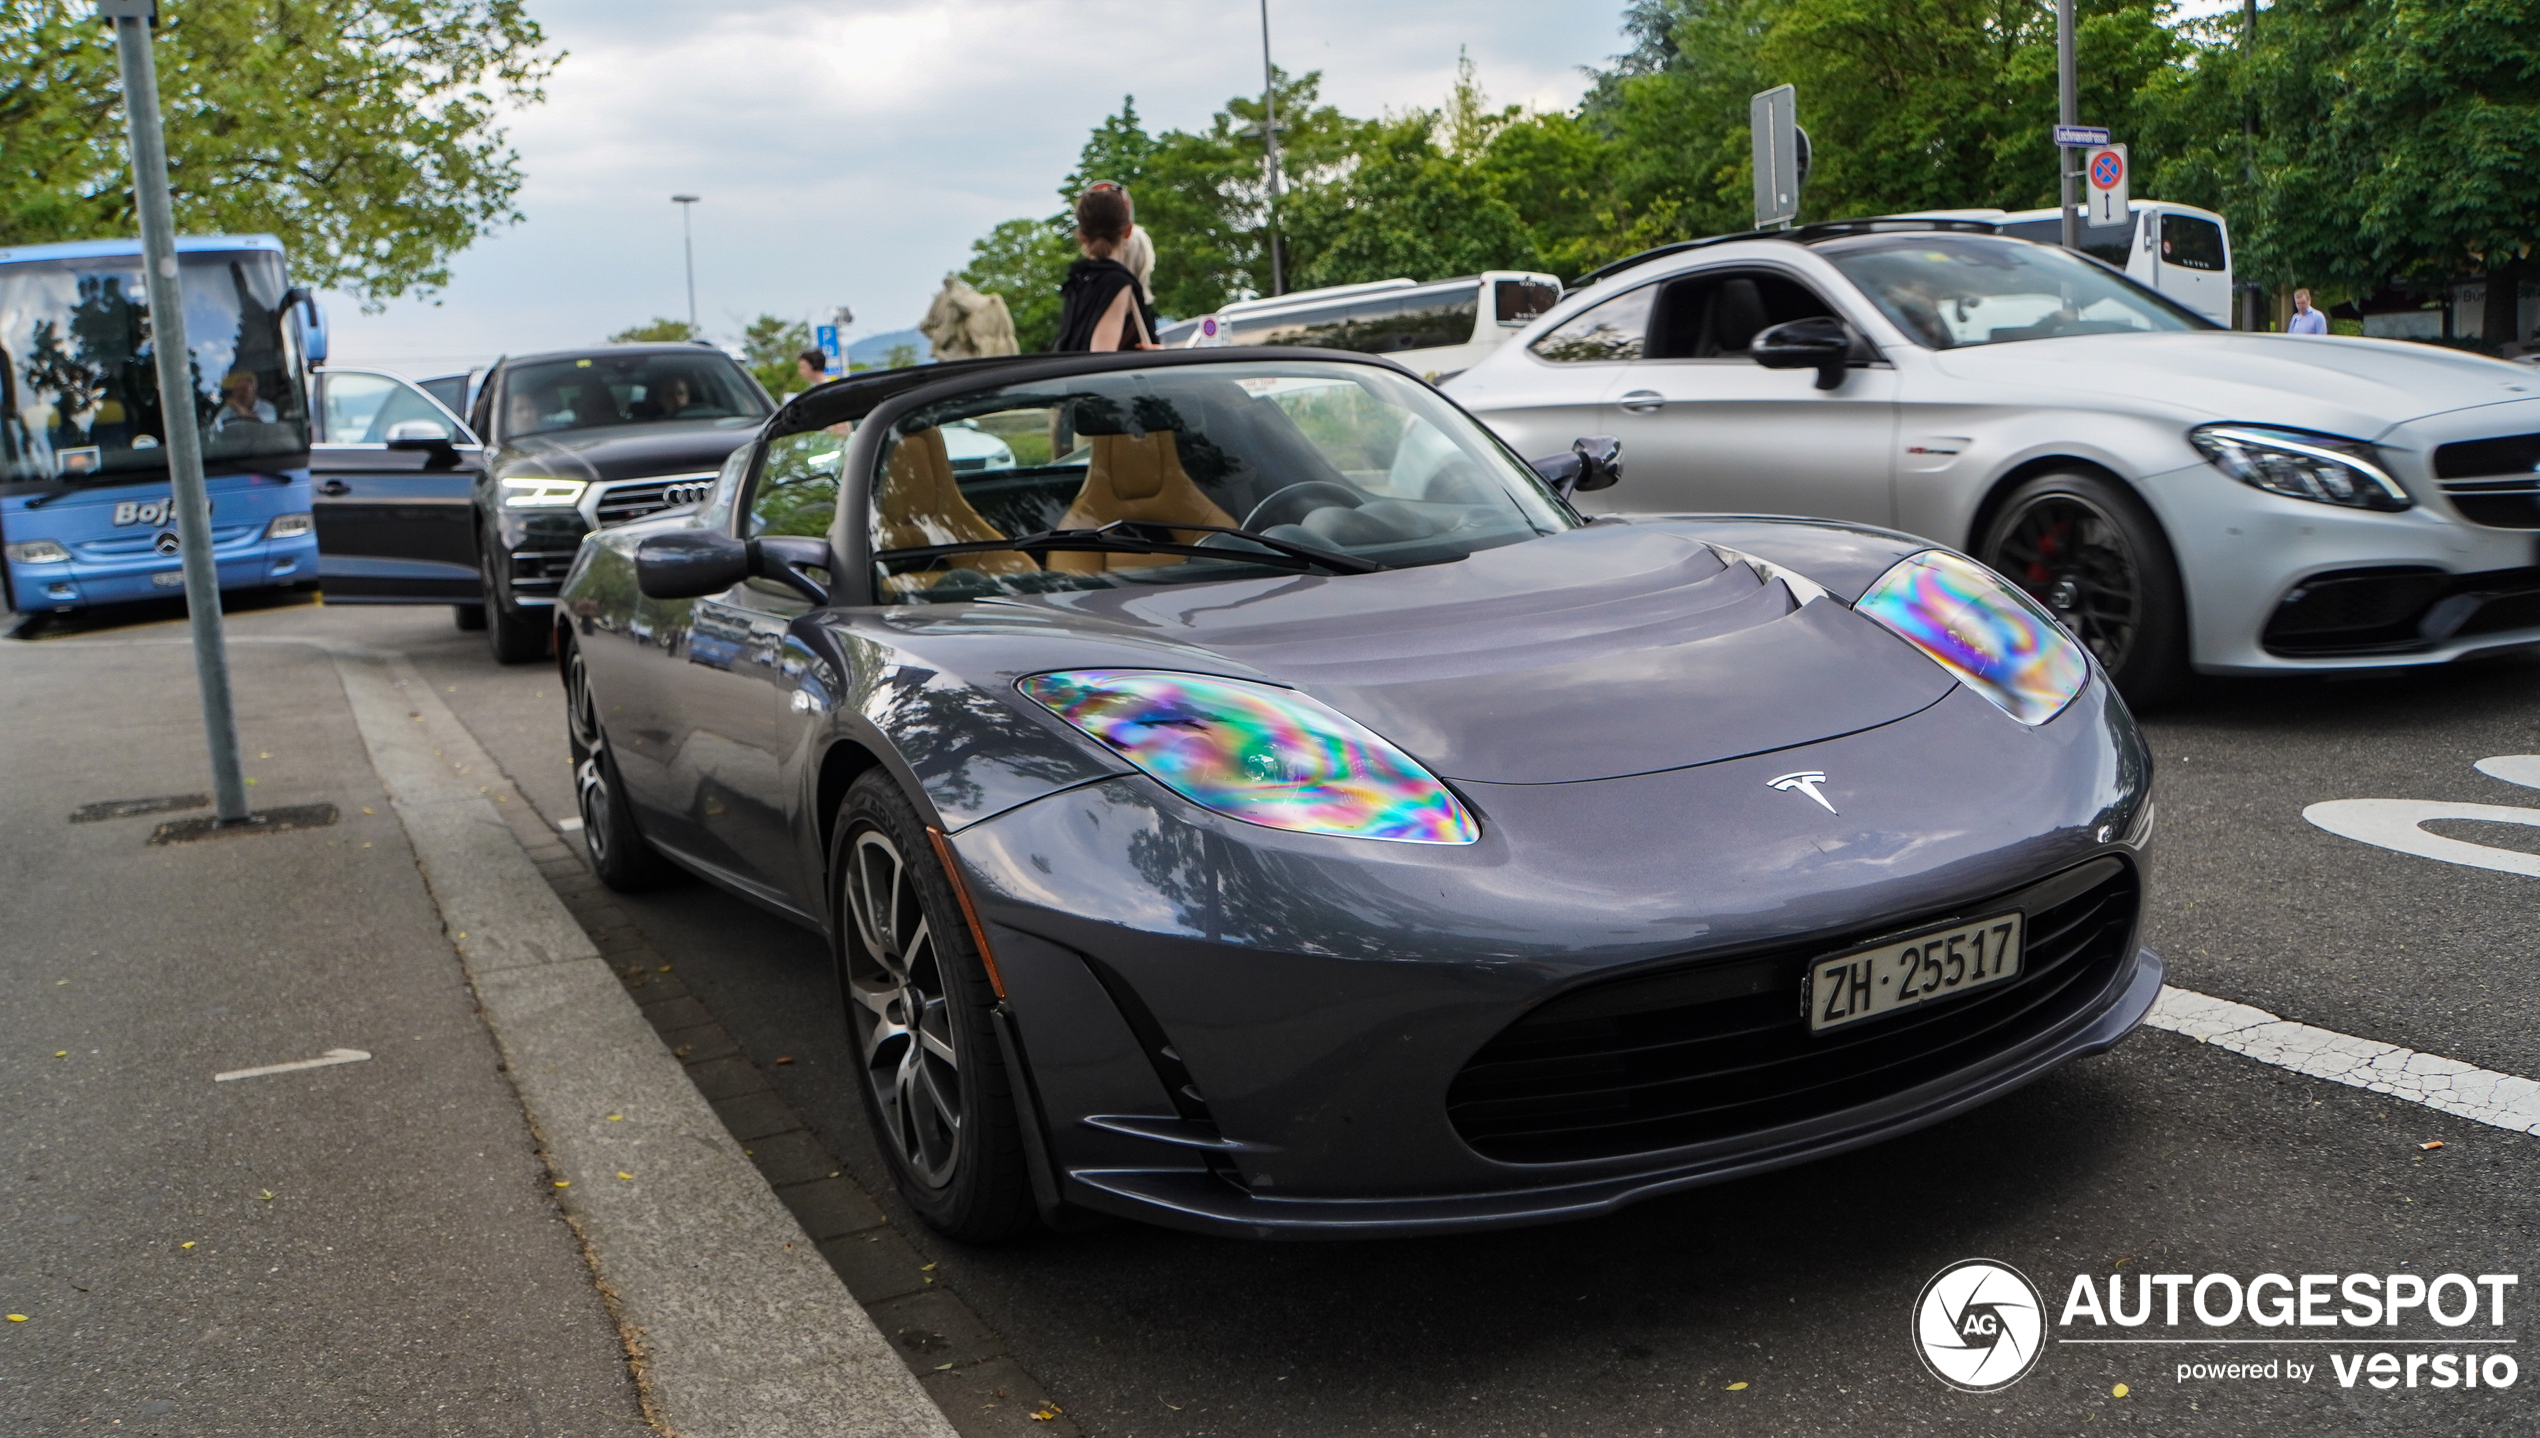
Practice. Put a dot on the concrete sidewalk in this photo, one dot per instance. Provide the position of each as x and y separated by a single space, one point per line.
419 1213
369 1247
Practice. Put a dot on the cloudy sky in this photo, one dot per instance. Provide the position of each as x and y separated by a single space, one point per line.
848 151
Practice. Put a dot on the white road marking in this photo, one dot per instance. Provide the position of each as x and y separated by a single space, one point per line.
2398 824
2447 1085
2393 824
568 826
332 1056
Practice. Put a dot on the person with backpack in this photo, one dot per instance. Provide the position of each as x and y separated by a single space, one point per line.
1100 304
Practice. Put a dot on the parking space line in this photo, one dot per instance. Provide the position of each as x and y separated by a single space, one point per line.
330 1058
2447 1085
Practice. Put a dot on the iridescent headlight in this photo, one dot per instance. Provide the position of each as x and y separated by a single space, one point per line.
1977 626
1259 753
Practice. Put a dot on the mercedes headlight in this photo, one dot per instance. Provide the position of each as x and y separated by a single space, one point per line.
289 526
38 551
1976 625
1258 753
2301 465
542 493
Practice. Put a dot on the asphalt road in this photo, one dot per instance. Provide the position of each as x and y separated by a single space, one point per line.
1780 1304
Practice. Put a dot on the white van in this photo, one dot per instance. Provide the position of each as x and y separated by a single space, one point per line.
2182 251
1436 329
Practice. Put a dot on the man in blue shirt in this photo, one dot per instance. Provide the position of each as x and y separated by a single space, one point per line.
2306 321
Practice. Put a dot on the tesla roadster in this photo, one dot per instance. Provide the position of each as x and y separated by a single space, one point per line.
1269 808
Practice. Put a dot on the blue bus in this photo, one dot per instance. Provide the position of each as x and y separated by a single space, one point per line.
85 515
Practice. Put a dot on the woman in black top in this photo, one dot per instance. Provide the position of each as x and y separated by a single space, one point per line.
1098 302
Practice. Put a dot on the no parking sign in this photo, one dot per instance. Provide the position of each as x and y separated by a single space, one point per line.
2111 184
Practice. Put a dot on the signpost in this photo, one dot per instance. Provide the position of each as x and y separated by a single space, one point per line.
835 363
2111 183
2080 137
1781 155
132 20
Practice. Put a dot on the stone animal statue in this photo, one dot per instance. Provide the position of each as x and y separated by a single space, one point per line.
965 324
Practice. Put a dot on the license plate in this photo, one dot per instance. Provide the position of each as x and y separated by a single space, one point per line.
169 579
1919 969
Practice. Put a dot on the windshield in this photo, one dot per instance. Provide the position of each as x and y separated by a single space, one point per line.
1343 458
549 396
1952 290
79 383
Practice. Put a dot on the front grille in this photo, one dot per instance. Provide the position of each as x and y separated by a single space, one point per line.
620 503
2494 482
1711 1051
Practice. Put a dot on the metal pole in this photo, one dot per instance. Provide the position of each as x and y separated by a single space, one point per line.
688 244
1270 149
178 416
2068 110
2248 144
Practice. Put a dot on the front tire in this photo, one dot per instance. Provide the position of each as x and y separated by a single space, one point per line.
2085 547
919 1010
515 637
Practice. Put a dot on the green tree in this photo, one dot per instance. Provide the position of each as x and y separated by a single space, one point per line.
770 346
1023 260
365 133
2397 140
1409 209
657 332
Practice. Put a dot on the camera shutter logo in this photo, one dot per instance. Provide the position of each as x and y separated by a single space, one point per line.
1979 1325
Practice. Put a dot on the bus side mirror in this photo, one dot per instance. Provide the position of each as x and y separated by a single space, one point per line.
312 323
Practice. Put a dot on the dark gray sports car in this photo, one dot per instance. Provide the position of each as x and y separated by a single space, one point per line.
1242 795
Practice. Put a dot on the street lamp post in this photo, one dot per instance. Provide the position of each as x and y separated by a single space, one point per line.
132 20
1270 152
688 243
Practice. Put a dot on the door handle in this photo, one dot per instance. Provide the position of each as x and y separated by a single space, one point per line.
1644 401
335 487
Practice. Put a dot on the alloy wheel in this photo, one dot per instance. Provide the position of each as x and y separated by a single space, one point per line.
581 715
591 800
896 993
2072 556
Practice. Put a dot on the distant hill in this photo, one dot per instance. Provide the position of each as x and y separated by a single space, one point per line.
876 349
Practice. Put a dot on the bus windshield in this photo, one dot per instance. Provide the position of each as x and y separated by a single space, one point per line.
79 388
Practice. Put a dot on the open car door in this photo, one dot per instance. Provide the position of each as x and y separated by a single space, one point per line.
395 475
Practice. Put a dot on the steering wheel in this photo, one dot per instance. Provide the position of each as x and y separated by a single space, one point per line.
1296 496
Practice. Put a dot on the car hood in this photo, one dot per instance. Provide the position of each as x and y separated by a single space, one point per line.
2335 384
626 451
1610 650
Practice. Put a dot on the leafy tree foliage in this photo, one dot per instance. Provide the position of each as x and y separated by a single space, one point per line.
363 132
770 346
656 332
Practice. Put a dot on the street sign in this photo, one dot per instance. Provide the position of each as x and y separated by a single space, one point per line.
2111 184
2080 137
826 336
1773 117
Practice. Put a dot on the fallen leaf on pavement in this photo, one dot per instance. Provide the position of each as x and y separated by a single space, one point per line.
17 1318
622 1173
789 1058
1734 1387
564 1183
617 1118
1046 1414
2120 1391
265 1195
189 1243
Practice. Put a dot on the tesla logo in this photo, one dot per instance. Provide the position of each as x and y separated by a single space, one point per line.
1805 782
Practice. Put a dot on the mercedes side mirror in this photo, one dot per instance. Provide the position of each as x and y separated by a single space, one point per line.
692 564
1593 463
1822 343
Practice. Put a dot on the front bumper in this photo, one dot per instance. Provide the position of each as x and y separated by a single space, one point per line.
1242 1031
253 562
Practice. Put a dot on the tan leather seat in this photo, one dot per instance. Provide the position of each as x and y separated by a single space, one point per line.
921 504
1135 477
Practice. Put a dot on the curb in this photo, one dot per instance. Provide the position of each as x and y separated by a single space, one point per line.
734 1320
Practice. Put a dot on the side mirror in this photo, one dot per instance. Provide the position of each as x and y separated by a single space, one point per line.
418 434
692 564
1593 463
1822 343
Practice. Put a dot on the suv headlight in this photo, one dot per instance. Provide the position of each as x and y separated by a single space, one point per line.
1258 753
1976 625
38 551
2301 465
542 493
288 526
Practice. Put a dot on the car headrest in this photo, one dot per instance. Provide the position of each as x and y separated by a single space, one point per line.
1144 414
